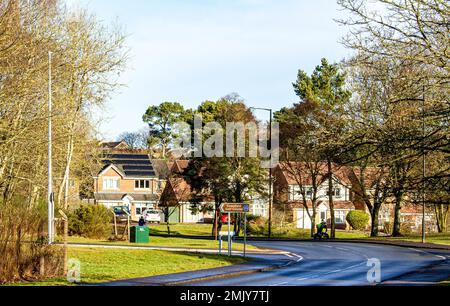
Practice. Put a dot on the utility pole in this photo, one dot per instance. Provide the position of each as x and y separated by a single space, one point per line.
424 195
270 176
50 167
271 167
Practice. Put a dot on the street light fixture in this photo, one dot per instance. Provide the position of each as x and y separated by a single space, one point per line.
270 170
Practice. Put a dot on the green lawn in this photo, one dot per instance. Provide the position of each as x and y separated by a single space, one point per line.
205 230
165 242
104 265
433 238
183 229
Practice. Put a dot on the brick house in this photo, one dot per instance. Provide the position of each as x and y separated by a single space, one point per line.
129 180
178 196
288 198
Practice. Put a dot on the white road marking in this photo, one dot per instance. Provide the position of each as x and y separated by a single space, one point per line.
300 258
342 249
419 251
424 252
279 284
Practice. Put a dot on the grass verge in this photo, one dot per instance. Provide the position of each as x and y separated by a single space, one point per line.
165 242
443 239
293 233
105 265
205 230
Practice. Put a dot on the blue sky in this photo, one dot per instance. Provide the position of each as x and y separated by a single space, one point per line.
190 51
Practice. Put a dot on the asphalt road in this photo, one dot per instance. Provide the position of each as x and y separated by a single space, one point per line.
346 264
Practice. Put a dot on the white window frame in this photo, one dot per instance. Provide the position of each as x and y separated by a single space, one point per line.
341 212
111 183
336 195
295 193
138 182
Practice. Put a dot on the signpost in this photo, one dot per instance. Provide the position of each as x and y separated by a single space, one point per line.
235 208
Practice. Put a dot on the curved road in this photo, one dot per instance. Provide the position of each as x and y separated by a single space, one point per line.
346 264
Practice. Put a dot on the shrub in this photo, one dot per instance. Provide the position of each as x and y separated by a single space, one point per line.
407 228
26 256
256 219
358 220
255 229
91 221
388 227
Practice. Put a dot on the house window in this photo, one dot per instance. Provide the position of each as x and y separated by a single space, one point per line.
309 192
340 216
323 215
336 193
111 183
296 193
142 184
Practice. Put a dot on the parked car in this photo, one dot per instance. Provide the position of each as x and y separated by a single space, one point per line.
122 213
152 216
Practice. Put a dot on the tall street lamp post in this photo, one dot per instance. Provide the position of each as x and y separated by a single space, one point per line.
50 178
271 167
424 199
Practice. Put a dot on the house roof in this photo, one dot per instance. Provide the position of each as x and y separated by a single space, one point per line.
162 168
179 166
178 188
130 165
293 172
138 197
114 145
371 175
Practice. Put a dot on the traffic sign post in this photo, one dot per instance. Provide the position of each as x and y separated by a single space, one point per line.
235 208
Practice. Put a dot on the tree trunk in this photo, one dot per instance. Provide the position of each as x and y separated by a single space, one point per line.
63 187
313 222
217 226
330 198
167 218
374 214
397 216
442 217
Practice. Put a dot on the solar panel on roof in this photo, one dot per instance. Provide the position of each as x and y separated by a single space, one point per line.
137 165
130 162
127 156
137 168
140 173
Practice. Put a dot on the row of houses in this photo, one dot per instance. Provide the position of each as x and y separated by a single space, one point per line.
138 182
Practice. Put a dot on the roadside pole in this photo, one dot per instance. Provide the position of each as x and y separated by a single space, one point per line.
229 234
50 197
245 234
